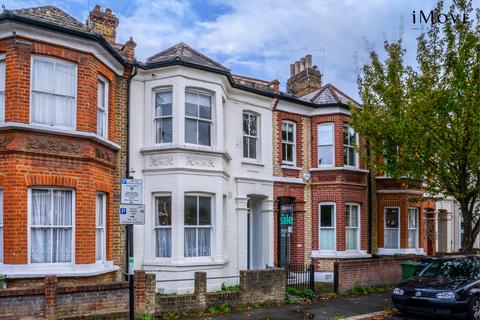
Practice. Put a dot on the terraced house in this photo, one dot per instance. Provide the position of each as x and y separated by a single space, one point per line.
63 87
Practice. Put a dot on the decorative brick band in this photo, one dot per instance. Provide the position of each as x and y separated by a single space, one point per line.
49 180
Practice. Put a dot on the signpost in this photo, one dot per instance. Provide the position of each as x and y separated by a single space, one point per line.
132 212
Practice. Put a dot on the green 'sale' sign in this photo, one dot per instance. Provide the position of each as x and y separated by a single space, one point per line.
286 218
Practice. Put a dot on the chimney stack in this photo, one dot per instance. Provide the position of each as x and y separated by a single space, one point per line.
304 77
103 22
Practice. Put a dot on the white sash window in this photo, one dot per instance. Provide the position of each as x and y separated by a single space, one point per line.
102 107
198 226
51 225
412 227
100 236
327 226
198 118
54 91
163 117
288 143
2 88
392 228
325 144
352 226
163 226
349 142
250 135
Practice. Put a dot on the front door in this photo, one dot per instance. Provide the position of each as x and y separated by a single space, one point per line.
285 224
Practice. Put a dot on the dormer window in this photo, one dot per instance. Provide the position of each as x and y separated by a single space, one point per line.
53 93
198 118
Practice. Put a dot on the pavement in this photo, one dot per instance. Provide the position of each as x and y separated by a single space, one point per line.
336 308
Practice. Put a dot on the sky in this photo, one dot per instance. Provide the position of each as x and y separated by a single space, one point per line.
261 38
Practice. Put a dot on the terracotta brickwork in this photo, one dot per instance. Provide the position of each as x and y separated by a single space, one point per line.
48 158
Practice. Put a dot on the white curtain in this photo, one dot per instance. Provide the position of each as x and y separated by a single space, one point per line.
190 247
351 239
100 227
51 229
204 242
53 93
412 238
391 239
327 239
164 242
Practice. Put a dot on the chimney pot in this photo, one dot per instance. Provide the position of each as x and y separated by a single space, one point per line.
302 64
108 11
292 70
97 7
308 59
297 67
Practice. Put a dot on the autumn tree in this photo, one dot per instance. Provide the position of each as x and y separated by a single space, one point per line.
425 119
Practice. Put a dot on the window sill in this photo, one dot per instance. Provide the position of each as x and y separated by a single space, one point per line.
287 167
185 148
391 252
64 132
187 262
252 162
338 168
349 254
72 270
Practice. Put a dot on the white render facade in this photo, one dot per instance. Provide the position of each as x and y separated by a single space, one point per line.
208 200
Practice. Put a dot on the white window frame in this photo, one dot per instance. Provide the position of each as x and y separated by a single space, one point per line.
197 119
329 228
292 143
105 108
348 127
197 226
55 61
4 70
1 227
256 138
29 222
358 228
156 227
332 125
159 118
385 226
103 228
409 210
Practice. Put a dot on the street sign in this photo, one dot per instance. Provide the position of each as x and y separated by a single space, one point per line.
132 191
132 214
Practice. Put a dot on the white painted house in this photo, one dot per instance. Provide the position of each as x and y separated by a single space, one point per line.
202 143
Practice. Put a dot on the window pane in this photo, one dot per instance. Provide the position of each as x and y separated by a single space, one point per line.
43 75
327 239
100 121
166 130
391 238
2 75
245 147
191 97
253 125
205 209
190 247
204 242
62 245
101 94
99 244
64 111
62 208
43 108
325 134
325 155
204 133
41 201
1 207
351 216
326 215
41 245
164 211
412 218
191 131
245 123
2 106
346 136
100 210
284 131
163 103
204 100
412 238
351 156
205 112
164 242
391 218
65 79
351 239
252 146
190 210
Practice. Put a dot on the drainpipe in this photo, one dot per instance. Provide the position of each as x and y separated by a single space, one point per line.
127 159
369 184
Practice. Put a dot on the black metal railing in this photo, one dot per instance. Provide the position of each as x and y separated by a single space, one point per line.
300 276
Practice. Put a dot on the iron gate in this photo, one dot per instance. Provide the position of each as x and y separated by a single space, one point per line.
300 276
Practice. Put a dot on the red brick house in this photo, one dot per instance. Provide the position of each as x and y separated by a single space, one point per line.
63 88
338 213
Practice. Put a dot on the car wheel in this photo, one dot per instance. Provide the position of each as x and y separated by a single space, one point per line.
474 309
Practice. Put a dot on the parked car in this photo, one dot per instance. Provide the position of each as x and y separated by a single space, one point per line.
446 287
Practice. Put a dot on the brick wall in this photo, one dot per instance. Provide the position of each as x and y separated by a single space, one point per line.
368 272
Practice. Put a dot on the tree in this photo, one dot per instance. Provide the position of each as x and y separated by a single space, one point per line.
425 119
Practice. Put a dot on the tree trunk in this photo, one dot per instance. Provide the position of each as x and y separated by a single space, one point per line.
468 236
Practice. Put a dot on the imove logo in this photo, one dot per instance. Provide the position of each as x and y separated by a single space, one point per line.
433 17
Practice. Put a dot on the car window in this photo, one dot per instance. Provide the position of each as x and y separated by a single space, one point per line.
453 269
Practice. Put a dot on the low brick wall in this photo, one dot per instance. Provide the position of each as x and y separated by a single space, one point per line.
368 272
54 301
256 287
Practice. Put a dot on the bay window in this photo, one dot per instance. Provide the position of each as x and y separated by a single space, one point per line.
198 226
349 143
392 228
51 225
163 226
325 144
163 116
412 227
1 226
250 135
2 88
327 226
352 223
198 118
100 236
53 93
288 143
102 107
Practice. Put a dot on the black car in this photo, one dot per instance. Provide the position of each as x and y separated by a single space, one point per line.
446 287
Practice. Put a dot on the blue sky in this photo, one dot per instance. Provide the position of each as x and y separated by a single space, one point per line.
260 38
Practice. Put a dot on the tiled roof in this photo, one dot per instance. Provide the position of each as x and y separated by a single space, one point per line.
183 52
329 94
51 15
